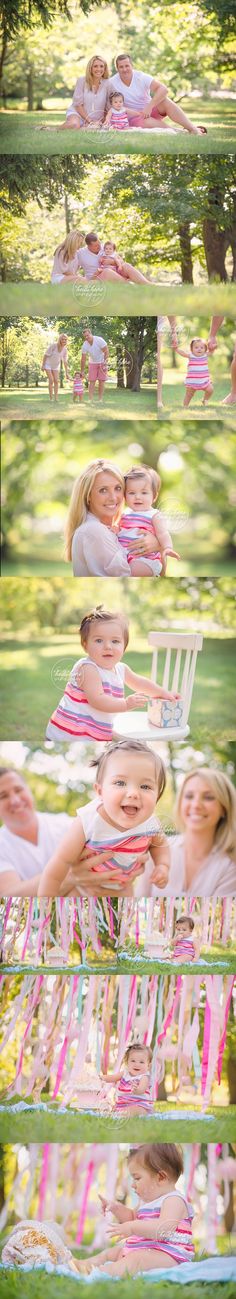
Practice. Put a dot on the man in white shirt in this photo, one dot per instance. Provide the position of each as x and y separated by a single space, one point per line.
28 840
146 99
95 347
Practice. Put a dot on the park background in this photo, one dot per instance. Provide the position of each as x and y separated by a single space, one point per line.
40 643
41 460
132 366
188 46
172 217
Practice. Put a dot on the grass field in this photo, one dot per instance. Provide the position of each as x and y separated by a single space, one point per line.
210 962
104 299
17 1284
117 404
25 133
23 1121
33 403
29 694
174 391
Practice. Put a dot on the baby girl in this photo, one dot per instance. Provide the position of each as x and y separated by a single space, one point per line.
133 1082
142 486
120 822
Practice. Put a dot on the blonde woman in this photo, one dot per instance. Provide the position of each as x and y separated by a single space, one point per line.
65 261
90 98
55 355
203 854
92 524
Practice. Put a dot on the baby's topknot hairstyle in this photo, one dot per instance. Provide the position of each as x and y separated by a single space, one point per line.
99 614
144 471
132 746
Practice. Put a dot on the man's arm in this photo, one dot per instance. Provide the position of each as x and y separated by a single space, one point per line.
12 886
83 363
216 322
105 350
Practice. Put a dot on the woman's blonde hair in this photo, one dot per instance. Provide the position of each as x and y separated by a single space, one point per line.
89 70
223 789
62 338
79 502
70 245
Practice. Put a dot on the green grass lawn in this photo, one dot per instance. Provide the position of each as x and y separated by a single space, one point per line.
39 1285
174 392
57 1122
117 404
219 961
33 403
104 299
25 133
29 694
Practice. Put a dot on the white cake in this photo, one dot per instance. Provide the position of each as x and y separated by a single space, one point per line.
156 944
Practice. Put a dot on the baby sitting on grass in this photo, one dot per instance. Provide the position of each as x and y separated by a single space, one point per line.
156 1234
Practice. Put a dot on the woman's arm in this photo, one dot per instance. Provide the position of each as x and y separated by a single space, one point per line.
88 678
43 361
66 855
149 688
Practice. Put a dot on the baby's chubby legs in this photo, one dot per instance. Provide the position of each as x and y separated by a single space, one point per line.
188 396
207 392
138 1260
112 1253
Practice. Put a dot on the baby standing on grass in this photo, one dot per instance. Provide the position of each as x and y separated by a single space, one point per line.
156 1234
95 690
198 377
133 1082
142 487
78 387
120 822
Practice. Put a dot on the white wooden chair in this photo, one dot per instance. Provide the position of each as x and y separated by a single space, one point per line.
181 650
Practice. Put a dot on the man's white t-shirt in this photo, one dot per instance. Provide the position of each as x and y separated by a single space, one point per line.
137 95
94 349
29 859
88 261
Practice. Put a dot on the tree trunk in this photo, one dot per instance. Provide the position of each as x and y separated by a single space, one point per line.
27 376
67 214
30 90
186 252
215 247
120 378
3 270
134 356
3 54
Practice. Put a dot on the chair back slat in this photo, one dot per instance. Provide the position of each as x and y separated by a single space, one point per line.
166 673
181 651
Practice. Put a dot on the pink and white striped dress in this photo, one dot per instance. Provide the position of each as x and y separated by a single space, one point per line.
78 386
198 374
132 523
178 1243
119 120
123 847
184 947
126 1098
74 718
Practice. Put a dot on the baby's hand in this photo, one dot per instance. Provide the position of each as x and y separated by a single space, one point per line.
169 695
160 876
135 701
